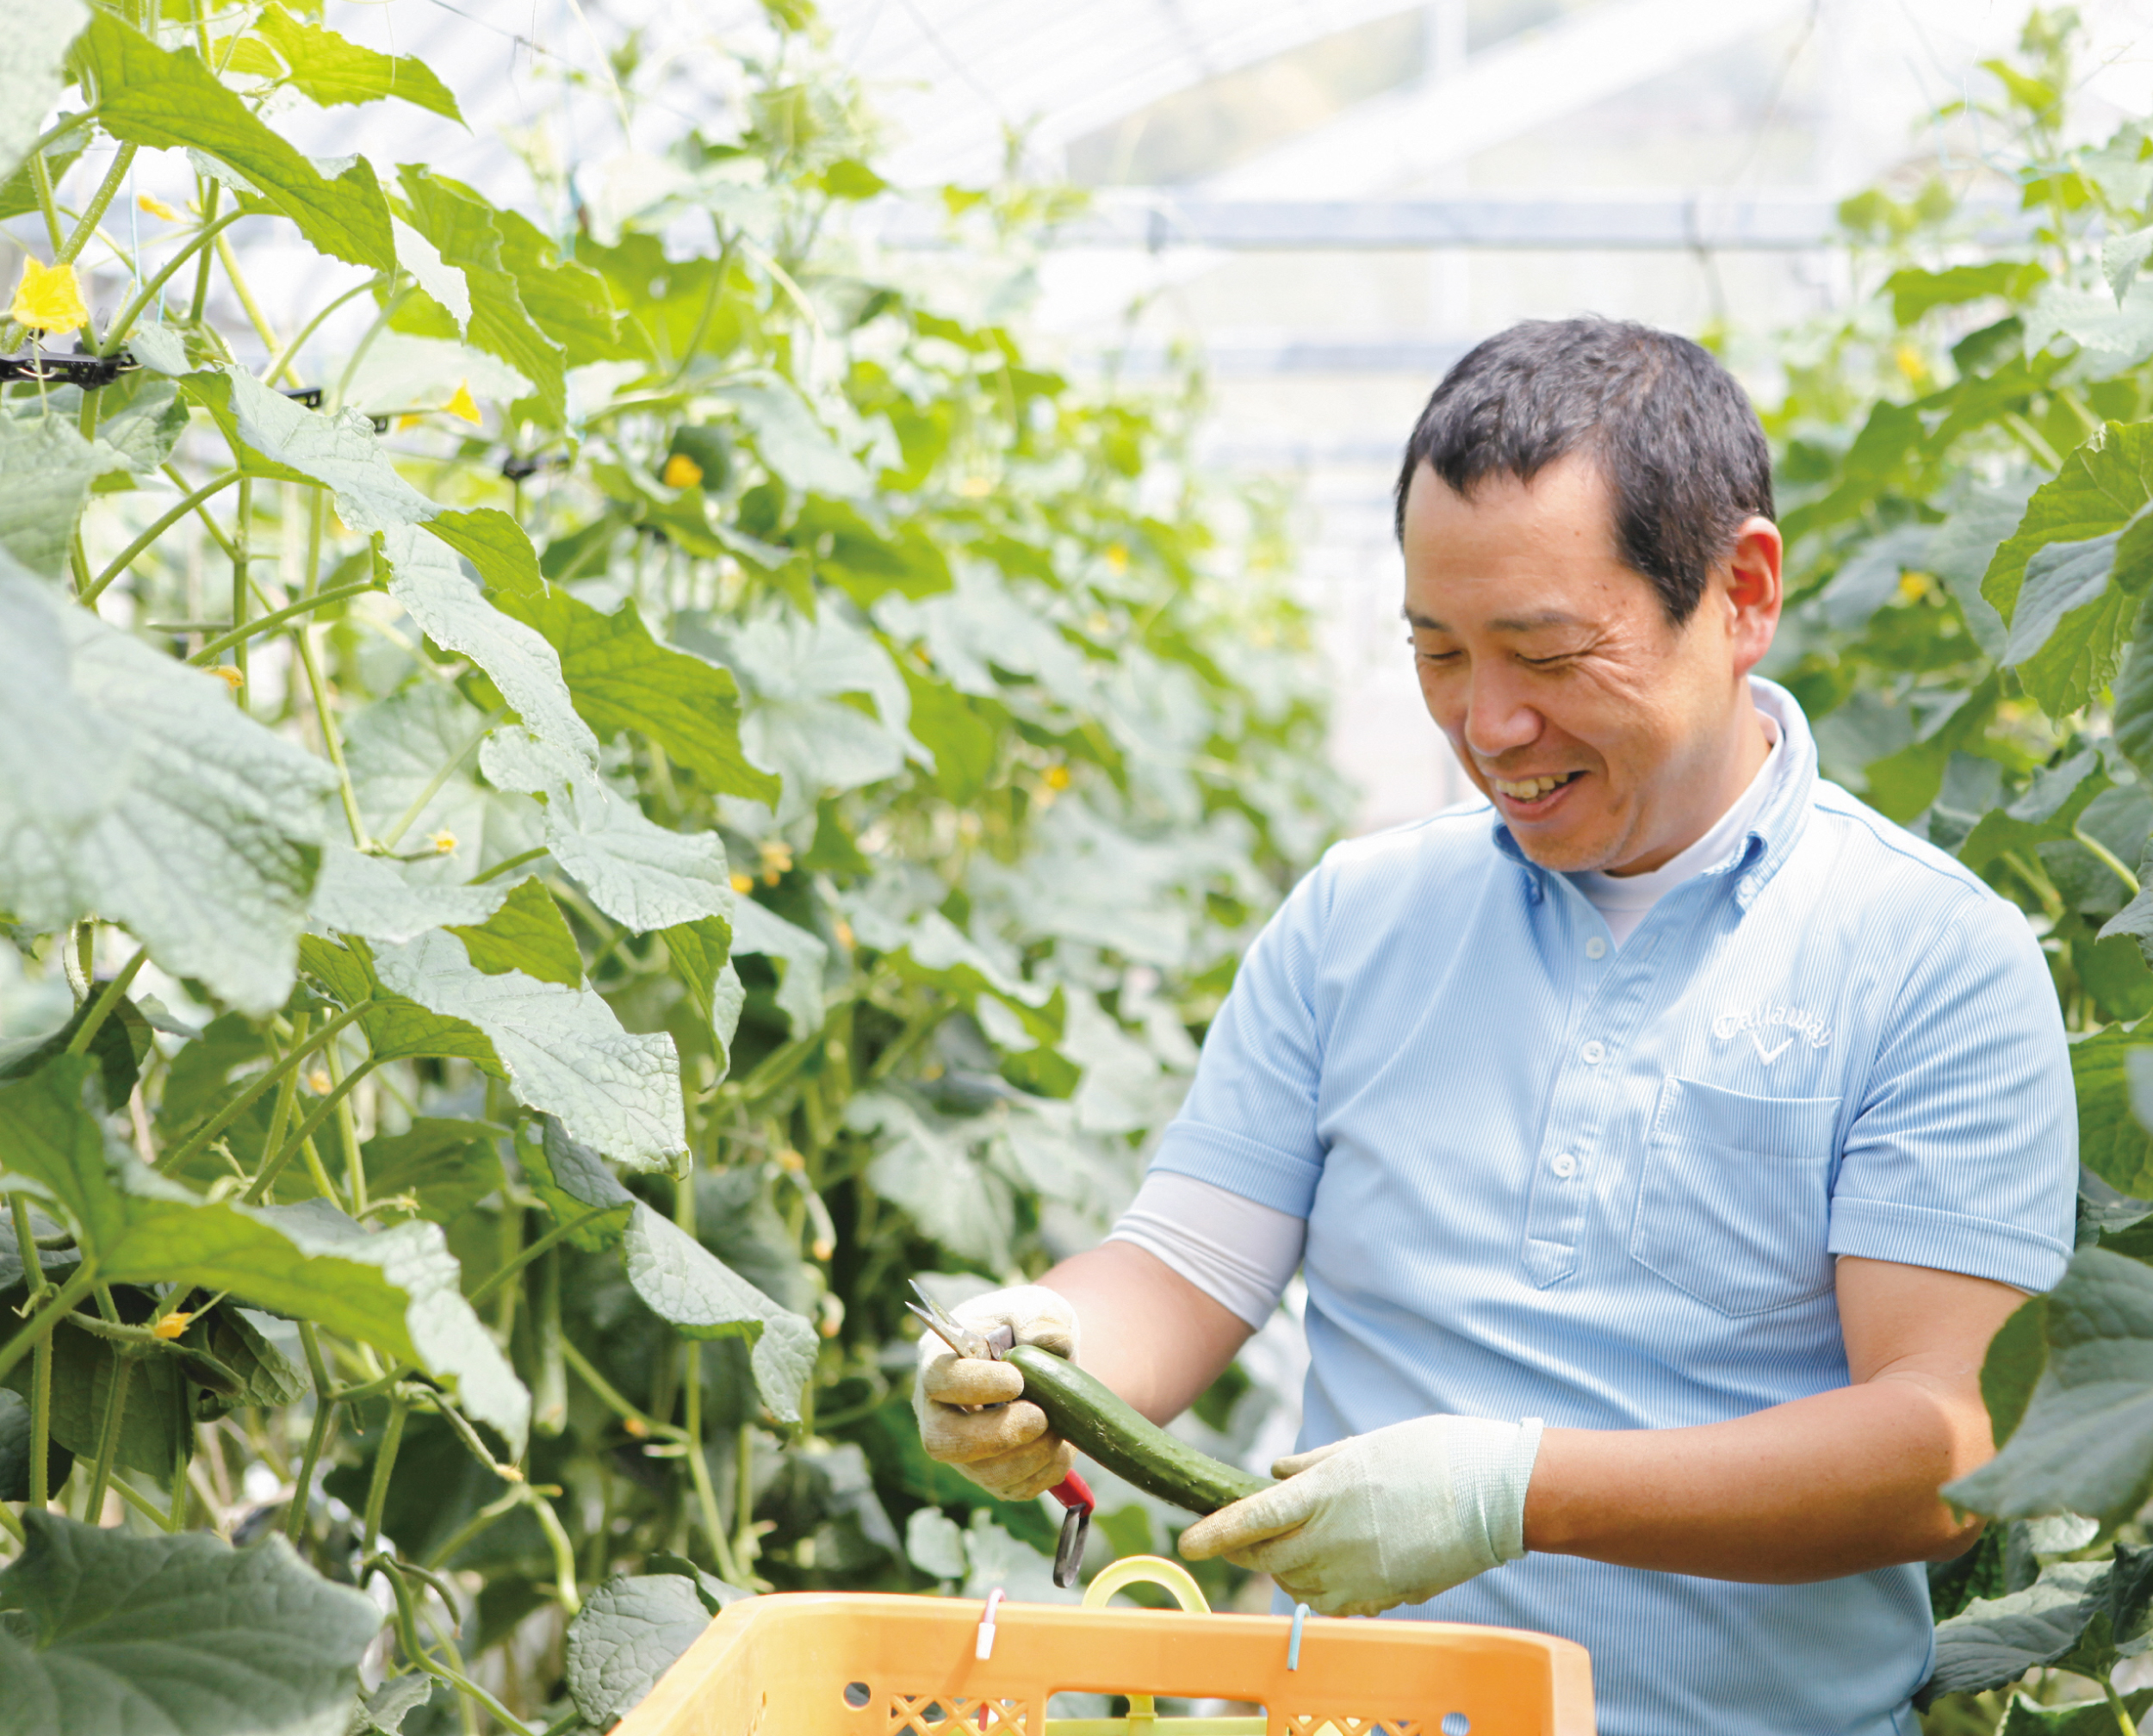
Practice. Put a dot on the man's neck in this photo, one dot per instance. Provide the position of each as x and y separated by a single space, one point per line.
1751 746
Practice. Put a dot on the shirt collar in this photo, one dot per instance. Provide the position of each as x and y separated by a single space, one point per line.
1778 823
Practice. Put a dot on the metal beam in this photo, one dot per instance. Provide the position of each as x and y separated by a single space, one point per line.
1527 82
1597 221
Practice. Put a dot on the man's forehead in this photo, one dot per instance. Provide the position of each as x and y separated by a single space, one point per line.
1528 623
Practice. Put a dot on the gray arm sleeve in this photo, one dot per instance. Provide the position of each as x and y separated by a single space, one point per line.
1238 1253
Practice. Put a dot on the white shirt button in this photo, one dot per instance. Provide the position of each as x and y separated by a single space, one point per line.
1596 948
1593 1054
1564 1165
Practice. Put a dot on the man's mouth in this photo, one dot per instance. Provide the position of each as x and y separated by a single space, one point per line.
1532 788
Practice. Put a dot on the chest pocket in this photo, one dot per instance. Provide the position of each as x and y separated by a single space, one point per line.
1734 1203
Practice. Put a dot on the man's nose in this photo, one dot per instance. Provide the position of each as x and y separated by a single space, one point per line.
1498 720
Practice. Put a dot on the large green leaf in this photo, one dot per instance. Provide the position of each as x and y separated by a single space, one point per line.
926 1164
2049 809
638 872
2016 1356
455 615
570 303
341 452
622 679
329 69
678 1278
562 1050
130 786
33 73
2108 1070
2075 613
791 442
49 467
171 102
462 228
399 1289
2026 1717
2101 486
682 1282
628 1635
181 1635
1995 1641
2085 1444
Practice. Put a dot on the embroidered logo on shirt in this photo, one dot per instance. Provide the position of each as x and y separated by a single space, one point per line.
1767 1023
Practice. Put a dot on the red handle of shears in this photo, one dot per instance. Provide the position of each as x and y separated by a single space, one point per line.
1075 1494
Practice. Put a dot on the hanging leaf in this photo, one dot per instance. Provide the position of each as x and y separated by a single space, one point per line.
327 68
622 679
171 100
527 934
129 786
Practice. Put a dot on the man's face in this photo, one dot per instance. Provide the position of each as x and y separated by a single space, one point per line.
1606 737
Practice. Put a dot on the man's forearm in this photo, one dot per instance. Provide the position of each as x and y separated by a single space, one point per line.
1149 1333
1844 1482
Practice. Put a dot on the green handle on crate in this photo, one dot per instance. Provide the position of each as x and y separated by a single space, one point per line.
1152 1569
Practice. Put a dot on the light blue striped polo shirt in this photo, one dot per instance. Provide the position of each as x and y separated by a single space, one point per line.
1547 1176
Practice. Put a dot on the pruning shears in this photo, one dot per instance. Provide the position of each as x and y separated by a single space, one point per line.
1072 1491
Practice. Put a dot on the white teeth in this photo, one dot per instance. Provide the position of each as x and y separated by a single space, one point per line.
1529 789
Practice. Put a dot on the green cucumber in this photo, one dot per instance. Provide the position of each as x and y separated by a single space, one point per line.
1091 1418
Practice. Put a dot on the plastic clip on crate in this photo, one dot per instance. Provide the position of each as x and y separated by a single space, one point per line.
815 1663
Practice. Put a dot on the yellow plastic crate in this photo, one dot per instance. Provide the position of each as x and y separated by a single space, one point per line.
814 1663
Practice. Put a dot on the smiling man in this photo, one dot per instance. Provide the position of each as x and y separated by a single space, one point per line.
1662 1138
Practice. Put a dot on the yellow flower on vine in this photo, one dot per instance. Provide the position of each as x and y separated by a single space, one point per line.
444 843
463 405
743 884
172 1326
230 677
48 298
157 207
680 472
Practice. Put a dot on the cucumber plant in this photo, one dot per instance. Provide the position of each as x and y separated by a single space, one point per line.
571 814
1965 485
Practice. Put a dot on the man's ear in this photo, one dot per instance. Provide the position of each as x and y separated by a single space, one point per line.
1753 591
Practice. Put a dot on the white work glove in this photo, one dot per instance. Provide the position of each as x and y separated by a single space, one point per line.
1389 1517
1005 1448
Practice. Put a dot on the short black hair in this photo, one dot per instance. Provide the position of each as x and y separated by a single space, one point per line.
1676 437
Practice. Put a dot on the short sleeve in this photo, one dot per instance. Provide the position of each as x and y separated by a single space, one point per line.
1249 1123
1962 1154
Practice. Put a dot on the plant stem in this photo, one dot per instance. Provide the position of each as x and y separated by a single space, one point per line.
394 836
317 1437
41 1325
12 1525
283 359
269 624
744 1550
407 1630
384 1465
609 1396
256 318
93 213
287 1093
331 737
509 1268
108 996
442 1554
41 179
692 1412
128 557
241 525
320 1112
41 1366
123 321
231 1112
500 868
2107 858
564 1554
2116 1709
109 1434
